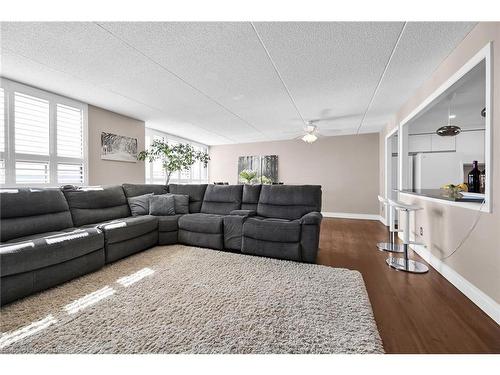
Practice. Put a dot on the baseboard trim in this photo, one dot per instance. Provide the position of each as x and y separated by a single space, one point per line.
348 215
483 301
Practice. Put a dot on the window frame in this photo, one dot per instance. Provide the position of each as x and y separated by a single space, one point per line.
175 178
10 156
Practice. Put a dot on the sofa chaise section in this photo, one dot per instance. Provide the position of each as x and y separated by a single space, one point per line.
39 246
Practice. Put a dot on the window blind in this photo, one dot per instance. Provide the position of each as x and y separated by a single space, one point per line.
2 120
31 126
69 131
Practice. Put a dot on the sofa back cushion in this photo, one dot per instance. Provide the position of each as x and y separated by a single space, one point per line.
28 211
289 201
195 192
90 205
222 199
133 190
251 194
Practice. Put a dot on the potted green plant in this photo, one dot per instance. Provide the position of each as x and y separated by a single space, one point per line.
174 158
247 176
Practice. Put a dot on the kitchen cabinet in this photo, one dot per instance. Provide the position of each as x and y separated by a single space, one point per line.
439 143
419 143
470 145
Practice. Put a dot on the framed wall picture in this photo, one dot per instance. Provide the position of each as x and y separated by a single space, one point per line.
118 147
258 169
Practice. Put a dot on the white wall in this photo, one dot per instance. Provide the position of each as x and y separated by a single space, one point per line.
108 172
478 260
346 167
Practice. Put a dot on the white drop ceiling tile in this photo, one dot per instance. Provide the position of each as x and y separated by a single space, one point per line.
223 60
90 53
29 72
330 67
423 46
80 48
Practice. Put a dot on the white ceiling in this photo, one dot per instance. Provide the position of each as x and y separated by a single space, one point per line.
215 84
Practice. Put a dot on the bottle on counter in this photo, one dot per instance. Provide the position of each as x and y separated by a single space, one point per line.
473 180
482 181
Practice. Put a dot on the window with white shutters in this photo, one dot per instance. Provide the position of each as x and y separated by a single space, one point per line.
31 125
154 171
69 173
2 136
42 138
69 132
2 121
32 172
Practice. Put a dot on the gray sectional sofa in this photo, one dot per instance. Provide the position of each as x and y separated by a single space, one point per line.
49 236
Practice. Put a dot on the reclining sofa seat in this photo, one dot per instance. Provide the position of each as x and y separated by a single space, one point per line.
287 224
206 228
106 208
39 247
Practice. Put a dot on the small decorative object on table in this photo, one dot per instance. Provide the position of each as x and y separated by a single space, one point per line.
455 191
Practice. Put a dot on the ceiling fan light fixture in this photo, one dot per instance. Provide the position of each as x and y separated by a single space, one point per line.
310 128
309 138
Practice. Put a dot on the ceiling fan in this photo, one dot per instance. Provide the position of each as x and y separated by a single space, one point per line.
311 129
311 132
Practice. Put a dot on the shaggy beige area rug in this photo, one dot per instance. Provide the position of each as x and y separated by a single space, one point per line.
180 299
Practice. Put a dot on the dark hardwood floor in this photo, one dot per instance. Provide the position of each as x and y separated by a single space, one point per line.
414 313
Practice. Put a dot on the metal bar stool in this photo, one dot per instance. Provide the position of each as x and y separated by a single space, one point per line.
390 246
405 263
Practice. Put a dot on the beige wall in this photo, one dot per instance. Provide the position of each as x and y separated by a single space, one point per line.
478 260
107 172
346 166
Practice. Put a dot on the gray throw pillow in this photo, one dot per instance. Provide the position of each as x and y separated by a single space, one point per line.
139 205
161 205
181 203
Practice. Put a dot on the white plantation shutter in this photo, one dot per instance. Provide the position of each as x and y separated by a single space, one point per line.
69 132
2 120
31 125
69 125
32 172
2 136
46 137
69 173
2 171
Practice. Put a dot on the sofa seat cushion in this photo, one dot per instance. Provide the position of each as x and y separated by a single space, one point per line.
202 223
42 250
127 228
168 223
275 230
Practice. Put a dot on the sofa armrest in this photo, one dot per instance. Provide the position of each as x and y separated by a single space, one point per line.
243 212
311 218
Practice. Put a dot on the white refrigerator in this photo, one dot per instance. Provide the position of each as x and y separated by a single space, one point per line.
432 170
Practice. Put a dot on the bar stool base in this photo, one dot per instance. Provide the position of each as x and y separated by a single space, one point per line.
390 247
409 265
